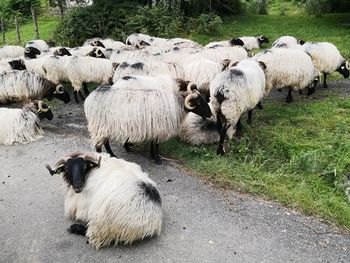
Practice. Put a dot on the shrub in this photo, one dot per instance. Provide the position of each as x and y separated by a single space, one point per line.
22 6
317 7
255 6
208 23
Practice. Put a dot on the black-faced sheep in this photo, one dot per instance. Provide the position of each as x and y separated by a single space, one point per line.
287 41
113 197
141 108
23 125
23 86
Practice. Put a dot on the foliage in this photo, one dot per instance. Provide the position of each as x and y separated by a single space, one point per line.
208 23
317 7
255 6
22 6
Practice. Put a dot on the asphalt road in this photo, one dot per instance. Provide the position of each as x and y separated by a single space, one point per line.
201 222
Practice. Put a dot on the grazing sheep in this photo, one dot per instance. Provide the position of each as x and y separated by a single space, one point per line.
23 86
23 125
327 59
11 52
288 68
235 91
287 41
118 202
88 69
148 68
249 43
141 108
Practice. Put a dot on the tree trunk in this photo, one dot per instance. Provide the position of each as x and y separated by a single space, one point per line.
3 30
61 7
18 37
35 20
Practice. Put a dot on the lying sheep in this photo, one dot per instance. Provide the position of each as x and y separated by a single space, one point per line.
327 59
287 42
141 108
11 52
23 125
23 86
114 198
148 68
288 68
235 91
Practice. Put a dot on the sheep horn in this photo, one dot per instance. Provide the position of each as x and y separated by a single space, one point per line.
27 50
190 85
59 51
59 89
188 99
91 158
40 107
347 65
52 172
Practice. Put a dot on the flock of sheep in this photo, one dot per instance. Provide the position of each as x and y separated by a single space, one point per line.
151 89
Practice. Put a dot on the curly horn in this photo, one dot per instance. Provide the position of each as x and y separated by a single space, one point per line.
27 50
190 85
52 172
59 89
347 65
40 107
188 101
93 159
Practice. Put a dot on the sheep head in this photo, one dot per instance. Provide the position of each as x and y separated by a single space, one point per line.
75 167
344 69
18 64
31 52
43 110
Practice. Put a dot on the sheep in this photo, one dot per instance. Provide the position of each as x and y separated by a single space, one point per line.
140 108
60 51
116 200
39 44
136 38
11 52
107 43
235 91
88 69
287 41
23 86
249 43
288 68
32 53
131 55
91 51
23 125
327 59
31 65
148 68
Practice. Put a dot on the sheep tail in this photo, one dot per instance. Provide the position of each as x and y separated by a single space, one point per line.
77 229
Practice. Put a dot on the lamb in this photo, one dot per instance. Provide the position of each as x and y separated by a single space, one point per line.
288 68
118 202
148 68
23 125
11 52
88 69
327 59
23 86
235 91
287 41
141 108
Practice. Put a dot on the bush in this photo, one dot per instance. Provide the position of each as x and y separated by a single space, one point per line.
22 6
317 7
208 23
255 7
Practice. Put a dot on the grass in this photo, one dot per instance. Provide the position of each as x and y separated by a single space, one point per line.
46 27
296 154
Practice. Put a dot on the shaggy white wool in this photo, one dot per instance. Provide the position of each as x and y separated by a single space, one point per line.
136 38
287 68
224 43
38 44
19 125
250 43
148 68
54 68
88 69
135 108
241 87
11 52
132 55
114 204
285 41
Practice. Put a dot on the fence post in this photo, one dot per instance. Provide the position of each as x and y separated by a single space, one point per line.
18 37
35 20
3 30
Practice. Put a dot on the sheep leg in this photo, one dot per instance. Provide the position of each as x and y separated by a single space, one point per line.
98 148
259 105
81 95
300 91
310 90
152 150
239 129
76 96
325 81
108 149
77 229
250 114
156 154
289 98
279 90
85 88
221 149
127 146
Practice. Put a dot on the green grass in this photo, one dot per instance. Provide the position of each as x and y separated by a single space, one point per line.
286 7
296 154
46 28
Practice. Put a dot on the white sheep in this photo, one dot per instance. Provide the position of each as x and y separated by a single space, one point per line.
288 68
234 91
148 68
23 125
11 52
91 51
118 202
287 41
131 54
141 108
24 86
327 59
107 43
39 44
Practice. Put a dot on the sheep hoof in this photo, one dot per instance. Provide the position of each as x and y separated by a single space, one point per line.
158 161
220 150
77 229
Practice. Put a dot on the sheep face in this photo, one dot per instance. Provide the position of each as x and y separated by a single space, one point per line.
97 43
262 39
18 64
43 110
60 93
96 53
344 69
31 52
196 103
62 52
75 167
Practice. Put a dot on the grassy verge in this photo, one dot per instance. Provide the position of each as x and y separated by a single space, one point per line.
46 28
296 154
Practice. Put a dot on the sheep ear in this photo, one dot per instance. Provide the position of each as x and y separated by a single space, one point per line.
301 42
262 65
115 65
224 64
181 84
